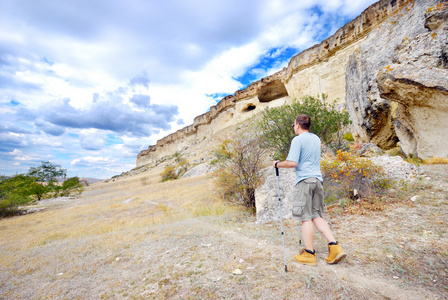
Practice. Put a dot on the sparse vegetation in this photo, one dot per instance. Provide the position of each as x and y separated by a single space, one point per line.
180 235
176 170
436 160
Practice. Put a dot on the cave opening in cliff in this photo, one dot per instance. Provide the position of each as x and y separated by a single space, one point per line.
272 91
250 107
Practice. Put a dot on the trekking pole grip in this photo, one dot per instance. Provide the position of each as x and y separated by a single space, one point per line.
276 169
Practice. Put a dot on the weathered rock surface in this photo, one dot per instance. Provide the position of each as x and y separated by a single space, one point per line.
266 196
402 61
369 150
418 82
396 168
198 170
370 112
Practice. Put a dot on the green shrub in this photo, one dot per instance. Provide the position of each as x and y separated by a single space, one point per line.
276 123
9 204
71 185
16 191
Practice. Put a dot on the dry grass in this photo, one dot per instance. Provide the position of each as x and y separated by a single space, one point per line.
436 160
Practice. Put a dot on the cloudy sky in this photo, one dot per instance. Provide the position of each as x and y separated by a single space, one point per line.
88 84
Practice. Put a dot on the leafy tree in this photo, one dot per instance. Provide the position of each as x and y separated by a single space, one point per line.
39 190
238 162
47 172
276 123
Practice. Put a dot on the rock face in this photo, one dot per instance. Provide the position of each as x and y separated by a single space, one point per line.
369 150
387 67
266 196
417 81
396 80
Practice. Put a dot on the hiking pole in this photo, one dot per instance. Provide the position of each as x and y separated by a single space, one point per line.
281 220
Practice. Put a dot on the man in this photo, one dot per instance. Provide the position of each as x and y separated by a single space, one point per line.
308 201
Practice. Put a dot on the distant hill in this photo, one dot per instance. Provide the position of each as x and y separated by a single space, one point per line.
90 180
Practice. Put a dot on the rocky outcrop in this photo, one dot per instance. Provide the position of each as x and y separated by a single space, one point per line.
359 66
370 85
345 36
369 150
266 196
417 81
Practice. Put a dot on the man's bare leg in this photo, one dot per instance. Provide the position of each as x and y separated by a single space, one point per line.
308 234
323 227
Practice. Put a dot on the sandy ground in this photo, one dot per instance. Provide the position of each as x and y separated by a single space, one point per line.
137 238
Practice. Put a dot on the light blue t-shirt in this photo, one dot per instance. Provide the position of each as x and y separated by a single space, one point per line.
305 151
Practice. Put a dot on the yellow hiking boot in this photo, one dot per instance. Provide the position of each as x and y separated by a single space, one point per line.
335 253
306 258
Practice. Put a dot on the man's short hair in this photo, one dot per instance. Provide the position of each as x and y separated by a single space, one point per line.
304 121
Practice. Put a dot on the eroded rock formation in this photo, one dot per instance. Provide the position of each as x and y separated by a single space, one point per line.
375 118
418 81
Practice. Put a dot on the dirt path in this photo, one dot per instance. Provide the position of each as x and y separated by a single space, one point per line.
128 240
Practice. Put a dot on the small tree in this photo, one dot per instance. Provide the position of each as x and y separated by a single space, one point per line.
238 163
47 172
276 123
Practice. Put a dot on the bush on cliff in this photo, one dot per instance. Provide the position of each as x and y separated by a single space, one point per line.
176 170
238 162
326 122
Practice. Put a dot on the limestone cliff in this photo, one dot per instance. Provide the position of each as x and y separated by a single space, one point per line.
375 118
417 80
345 67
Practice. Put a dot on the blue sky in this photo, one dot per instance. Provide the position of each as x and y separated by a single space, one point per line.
89 84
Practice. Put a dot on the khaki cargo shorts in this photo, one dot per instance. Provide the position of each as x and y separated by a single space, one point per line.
308 200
